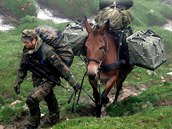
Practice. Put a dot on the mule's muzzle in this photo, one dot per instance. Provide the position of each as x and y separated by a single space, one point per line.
92 76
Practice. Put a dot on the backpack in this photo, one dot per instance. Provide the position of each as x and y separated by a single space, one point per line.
146 49
49 35
73 36
119 18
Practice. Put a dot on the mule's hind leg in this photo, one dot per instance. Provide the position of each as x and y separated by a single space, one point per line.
118 88
122 76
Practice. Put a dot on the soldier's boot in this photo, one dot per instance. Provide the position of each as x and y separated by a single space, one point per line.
34 110
29 126
49 120
33 122
54 112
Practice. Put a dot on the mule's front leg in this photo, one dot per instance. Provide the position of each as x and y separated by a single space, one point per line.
96 96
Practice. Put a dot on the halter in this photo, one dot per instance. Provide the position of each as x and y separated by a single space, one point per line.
108 67
105 49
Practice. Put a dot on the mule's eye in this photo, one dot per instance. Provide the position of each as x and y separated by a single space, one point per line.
103 48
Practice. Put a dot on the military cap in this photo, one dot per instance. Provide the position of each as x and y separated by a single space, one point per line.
28 34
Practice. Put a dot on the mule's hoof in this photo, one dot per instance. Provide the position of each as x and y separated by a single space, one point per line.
98 115
106 100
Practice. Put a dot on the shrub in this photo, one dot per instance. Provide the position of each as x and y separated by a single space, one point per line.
155 18
21 8
73 8
28 19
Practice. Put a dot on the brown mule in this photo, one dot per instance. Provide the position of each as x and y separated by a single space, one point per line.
103 64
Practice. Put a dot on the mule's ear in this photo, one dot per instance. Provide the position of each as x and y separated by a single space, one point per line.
107 24
87 25
105 27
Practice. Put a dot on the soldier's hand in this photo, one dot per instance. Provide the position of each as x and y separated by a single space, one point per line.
17 88
77 87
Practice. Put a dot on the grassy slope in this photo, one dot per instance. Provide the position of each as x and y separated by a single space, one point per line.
70 8
150 12
144 110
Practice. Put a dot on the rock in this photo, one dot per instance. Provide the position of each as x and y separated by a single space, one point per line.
1 127
13 104
170 73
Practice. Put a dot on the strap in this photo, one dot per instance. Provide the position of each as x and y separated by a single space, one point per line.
113 66
40 54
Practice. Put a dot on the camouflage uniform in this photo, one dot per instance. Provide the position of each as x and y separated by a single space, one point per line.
46 57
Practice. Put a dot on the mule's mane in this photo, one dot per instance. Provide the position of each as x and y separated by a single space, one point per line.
110 32
95 30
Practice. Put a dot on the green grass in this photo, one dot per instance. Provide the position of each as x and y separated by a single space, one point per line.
150 12
74 9
149 99
141 112
157 118
20 8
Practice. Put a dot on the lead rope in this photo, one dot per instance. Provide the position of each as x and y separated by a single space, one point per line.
99 87
74 94
81 87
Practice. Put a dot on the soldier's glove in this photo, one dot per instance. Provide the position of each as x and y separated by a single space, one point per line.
17 88
77 87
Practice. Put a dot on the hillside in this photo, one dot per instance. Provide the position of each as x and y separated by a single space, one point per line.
59 9
169 2
145 101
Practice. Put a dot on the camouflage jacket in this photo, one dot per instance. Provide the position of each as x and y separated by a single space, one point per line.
46 57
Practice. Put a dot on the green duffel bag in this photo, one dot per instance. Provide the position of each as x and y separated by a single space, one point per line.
76 36
146 49
119 18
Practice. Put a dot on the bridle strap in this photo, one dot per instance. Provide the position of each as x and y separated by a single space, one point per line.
92 59
106 44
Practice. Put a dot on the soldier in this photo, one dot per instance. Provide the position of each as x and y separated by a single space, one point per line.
37 50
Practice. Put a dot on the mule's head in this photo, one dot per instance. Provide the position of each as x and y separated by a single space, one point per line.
96 47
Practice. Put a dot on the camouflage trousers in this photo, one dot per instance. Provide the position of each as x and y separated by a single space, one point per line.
43 91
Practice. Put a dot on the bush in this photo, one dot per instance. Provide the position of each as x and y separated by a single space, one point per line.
21 8
28 19
1 101
166 11
73 8
154 18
